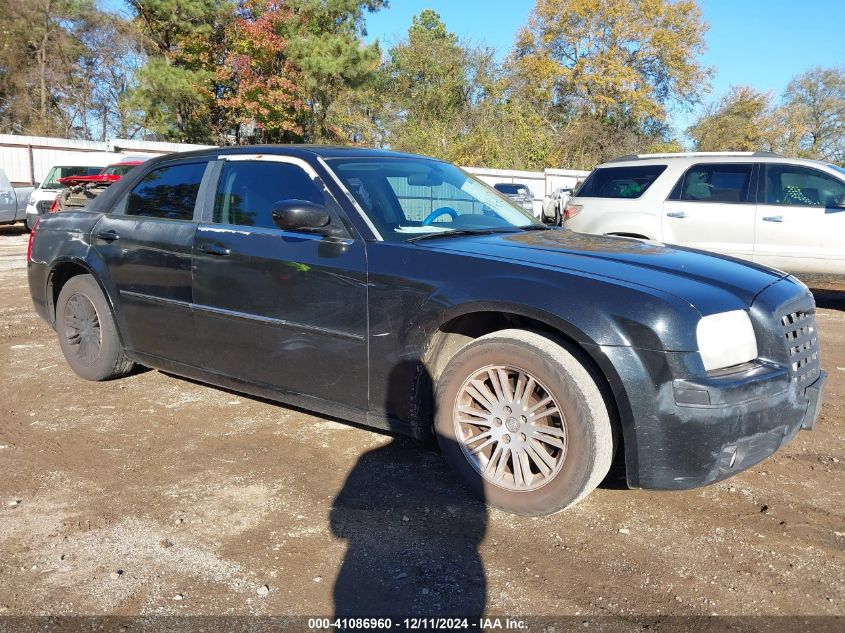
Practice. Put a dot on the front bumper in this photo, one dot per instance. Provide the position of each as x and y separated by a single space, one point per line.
684 428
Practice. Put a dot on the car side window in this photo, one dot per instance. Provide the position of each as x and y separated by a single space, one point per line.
729 182
168 192
247 191
796 186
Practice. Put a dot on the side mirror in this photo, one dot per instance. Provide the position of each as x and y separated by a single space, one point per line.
300 215
35 185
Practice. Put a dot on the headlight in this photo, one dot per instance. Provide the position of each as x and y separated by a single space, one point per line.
31 200
726 339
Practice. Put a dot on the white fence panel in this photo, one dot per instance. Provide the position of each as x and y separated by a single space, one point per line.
27 159
540 183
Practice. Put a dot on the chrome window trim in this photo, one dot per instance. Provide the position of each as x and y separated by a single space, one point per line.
273 158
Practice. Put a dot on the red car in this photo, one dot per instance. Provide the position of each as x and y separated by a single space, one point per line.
109 175
80 190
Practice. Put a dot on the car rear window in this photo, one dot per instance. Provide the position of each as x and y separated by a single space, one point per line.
508 188
620 182
167 192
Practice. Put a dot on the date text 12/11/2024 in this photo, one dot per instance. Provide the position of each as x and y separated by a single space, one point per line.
422 624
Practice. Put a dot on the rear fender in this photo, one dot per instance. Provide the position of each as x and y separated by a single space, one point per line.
95 267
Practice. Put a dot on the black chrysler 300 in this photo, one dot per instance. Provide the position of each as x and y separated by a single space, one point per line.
400 292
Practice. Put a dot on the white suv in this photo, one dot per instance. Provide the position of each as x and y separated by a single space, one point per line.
787 213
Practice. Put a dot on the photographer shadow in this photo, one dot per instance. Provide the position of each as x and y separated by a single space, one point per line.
412 533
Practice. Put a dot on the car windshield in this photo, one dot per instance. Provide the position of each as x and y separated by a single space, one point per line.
52 179
410 197
118 170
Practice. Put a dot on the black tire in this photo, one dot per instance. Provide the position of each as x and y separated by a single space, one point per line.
585 421
87 331
558 215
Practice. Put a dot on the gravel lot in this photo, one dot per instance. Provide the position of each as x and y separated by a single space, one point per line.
157 495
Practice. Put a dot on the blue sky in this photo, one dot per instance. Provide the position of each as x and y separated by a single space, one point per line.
761 43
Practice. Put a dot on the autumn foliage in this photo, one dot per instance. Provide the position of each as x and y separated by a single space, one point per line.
261 83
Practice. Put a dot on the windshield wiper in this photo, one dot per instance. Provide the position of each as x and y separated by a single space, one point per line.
535 227
455 232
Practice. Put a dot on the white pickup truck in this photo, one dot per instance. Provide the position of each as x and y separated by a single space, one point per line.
13 201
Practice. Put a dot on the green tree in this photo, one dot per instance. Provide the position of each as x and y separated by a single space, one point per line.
177 94
630 58
260 83
40 50
326 46
429 88
251 70
743 120
95 93
605 73
816 102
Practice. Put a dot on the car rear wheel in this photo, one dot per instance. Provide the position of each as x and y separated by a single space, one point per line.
522 423
87 331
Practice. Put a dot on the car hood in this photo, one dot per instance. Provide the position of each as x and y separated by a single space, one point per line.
705 280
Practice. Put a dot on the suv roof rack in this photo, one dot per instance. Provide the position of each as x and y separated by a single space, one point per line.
631 157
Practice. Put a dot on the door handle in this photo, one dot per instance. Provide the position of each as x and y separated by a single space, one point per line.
213 249
773 218
676 214
109 236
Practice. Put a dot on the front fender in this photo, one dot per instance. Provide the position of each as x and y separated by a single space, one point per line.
413 295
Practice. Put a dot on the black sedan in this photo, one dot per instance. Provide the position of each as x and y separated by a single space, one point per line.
398 291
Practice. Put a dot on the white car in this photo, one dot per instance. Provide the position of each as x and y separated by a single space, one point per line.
787 213
554 205
78 164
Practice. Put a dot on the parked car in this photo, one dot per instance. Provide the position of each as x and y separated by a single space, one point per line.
79 191
554 205
12 200
519 193
83 164
783 212
400 292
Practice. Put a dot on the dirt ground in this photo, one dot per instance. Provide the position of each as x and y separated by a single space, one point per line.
156 495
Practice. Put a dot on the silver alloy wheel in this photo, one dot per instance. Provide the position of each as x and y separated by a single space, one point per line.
510 428
82 328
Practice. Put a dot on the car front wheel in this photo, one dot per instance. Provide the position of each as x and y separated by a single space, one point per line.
522 423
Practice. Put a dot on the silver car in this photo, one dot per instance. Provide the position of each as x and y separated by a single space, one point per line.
520 193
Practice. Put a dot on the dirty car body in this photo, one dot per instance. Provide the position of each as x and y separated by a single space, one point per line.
359 321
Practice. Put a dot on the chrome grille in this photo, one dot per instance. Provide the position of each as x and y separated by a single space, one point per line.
802 345
44 206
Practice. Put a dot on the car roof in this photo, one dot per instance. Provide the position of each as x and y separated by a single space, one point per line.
710 157
323 151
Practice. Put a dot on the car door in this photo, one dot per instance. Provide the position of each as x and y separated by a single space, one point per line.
712 208
282 309
8 201
800 225
146 243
